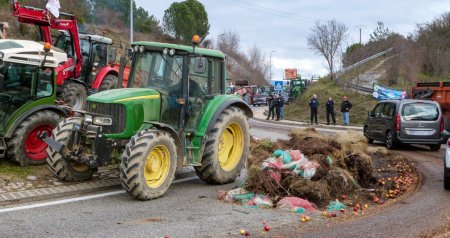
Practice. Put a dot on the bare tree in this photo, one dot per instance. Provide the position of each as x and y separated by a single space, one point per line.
326 39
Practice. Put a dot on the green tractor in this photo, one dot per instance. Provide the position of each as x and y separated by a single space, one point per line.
297 87
174 113
27 99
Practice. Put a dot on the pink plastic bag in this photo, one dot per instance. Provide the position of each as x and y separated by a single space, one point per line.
295 202
296 155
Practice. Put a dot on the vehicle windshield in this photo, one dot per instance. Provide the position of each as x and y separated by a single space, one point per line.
158 71
420 112
21 84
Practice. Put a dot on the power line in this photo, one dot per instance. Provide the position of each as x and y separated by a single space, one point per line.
271 11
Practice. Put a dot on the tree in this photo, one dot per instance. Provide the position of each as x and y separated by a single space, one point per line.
380 33
326 39
185 19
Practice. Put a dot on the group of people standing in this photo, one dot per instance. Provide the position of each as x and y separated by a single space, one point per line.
275 103
345 109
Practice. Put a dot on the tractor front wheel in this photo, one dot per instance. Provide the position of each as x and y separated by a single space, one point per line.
226 148
63 169
109 82
24 147
148 164
74 95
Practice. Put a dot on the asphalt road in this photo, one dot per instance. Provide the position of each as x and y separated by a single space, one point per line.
190 209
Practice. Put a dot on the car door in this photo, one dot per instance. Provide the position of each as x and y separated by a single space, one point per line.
387 120
373 120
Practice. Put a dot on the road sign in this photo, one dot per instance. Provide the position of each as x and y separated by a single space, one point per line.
278 85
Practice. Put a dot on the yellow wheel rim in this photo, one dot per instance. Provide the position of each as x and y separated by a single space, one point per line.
157 164
231 146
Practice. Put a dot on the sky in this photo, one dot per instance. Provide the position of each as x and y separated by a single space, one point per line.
282 26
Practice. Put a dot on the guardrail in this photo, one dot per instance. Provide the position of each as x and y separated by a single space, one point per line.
356 87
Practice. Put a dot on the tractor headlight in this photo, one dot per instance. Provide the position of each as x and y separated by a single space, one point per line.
103 121
88 118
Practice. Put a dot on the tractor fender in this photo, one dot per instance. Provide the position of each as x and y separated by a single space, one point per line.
172 132
235 102
102 73
61 112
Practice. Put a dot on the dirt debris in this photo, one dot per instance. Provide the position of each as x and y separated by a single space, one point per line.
350 171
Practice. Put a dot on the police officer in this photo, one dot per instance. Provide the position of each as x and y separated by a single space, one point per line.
313 104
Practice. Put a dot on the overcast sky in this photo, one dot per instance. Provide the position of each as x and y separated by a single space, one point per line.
283 26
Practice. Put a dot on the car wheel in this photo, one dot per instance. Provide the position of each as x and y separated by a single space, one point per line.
390 144
435 147
366 134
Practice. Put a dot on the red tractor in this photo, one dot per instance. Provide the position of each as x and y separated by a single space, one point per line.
90 65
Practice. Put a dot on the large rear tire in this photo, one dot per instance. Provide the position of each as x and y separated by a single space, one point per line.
226 148
63 169
109 82
148 164
24 147
74 95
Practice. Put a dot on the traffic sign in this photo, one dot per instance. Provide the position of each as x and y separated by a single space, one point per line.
278 85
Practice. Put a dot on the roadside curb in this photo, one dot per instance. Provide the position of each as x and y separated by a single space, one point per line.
73 189
321 126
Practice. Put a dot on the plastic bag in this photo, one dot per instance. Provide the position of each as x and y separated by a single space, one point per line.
238 195
335 206
296 155
285 156
294 203
260 201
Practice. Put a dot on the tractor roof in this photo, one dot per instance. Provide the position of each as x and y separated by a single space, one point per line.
30 52
189 49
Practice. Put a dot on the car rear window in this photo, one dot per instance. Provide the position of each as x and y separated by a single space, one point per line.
420 112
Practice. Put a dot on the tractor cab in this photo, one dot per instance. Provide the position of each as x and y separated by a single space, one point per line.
27 81
185 80
96 52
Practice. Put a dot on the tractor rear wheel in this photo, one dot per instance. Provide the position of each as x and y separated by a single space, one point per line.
148 164
109 82
24 147
63 169
226 149
74 95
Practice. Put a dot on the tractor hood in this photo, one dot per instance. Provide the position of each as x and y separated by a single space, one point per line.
124 95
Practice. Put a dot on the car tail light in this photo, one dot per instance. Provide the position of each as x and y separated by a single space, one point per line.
448 142
442 125
397 122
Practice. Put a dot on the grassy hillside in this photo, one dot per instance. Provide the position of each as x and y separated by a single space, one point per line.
299 109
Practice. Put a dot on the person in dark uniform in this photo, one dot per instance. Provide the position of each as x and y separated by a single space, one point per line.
279 106
271 103
313 104
330 110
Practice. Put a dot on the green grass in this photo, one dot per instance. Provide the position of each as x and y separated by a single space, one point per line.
299 110
15 171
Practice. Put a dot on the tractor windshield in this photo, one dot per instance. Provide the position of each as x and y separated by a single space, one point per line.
158 71
21 84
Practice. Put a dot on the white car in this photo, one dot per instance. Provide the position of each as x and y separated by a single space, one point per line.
447 167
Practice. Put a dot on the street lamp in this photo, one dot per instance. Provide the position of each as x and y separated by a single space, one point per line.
131 21
218 38
270 65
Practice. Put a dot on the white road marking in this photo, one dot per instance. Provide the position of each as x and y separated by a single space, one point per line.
77 199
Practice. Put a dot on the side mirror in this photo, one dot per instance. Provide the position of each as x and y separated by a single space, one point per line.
112 55
200 65
370 114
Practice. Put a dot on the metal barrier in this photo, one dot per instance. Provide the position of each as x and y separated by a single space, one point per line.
356 87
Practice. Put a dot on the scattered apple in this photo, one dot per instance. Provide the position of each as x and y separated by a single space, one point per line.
242 232
266 228
324 213
247 234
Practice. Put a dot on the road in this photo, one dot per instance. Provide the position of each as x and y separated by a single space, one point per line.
190 209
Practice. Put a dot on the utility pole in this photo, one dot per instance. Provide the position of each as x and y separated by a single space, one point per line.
131 21
360 27
270 65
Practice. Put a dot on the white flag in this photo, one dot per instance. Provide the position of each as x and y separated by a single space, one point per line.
53 6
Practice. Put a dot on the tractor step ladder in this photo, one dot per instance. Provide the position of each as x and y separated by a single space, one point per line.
2 148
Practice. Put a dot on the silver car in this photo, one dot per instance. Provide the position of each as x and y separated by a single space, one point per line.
407 121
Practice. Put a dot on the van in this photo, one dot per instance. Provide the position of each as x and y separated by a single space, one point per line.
407 121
